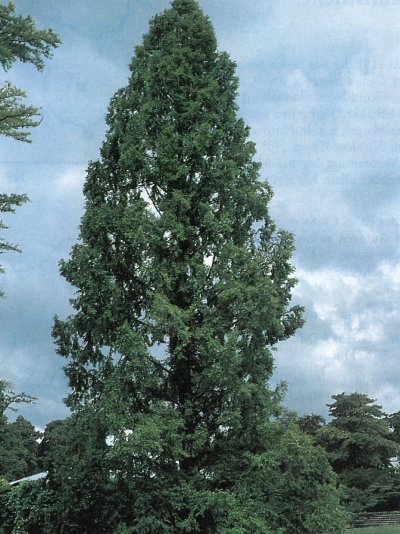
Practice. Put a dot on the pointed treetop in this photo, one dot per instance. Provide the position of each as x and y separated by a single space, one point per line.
185 5
184 24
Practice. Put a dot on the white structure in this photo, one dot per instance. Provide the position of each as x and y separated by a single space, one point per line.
38 476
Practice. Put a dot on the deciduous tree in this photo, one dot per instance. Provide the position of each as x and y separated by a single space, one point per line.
310 424
53 444
18 449
183 287
8 397
18 439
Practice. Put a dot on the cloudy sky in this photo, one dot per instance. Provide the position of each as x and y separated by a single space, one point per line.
320 89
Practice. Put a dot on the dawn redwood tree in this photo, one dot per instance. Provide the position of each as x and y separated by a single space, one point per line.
183 287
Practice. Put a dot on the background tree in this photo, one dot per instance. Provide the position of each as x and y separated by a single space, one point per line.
8 397
183 287
27 508
311 424
19 41
360 448
53 444
70 454
78 476
8 203
18 449
394 424
18 440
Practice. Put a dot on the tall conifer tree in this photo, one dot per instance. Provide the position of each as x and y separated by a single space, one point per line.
183 288
360 448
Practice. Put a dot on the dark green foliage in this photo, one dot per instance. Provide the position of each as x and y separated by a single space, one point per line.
16 118
360 447
18 449
183 286
310 424
79 477
394 424
53 445
296 481
20 41
27 509
76 494
18 440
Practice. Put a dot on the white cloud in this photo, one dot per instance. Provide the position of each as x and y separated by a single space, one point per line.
338 298
387 395
350 340
391 272
322 86
71 181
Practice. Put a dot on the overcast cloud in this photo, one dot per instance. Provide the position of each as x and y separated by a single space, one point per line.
320 88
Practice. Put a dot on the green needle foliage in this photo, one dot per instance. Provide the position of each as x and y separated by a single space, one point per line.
15 117
19 41
360 447
7 205
183 288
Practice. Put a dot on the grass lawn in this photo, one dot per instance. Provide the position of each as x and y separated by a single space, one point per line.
395 529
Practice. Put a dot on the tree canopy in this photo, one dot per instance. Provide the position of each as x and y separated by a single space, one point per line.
18 445
360 448
183 287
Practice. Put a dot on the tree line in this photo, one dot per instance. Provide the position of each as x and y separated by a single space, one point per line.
360 442
183 287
